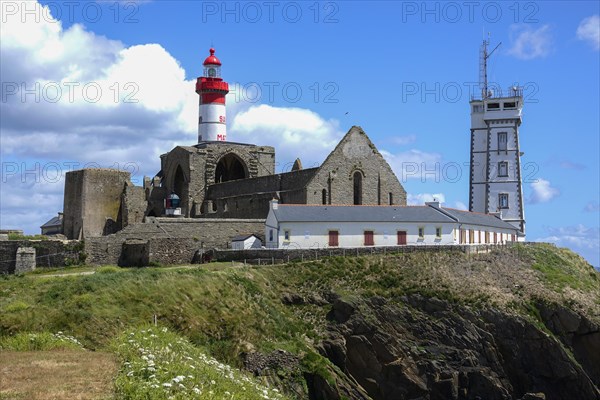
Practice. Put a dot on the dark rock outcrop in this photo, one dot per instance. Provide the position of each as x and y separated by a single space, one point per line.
577 333
427 348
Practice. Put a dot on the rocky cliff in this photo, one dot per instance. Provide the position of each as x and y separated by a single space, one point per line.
426 348
526 339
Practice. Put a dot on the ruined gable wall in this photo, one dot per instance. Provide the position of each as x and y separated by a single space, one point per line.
133 205
199 166
354 153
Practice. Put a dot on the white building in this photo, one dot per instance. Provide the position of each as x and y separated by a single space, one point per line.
244 242
312 226
495 174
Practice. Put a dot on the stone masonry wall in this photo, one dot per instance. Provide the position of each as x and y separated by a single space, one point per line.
133 205
92 201
49 253
171 240
249 198
25 260
356 153
199 163
268 256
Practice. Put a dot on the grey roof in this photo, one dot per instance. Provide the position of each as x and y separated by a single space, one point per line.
56 221
241 238
306 213
332 213
475 218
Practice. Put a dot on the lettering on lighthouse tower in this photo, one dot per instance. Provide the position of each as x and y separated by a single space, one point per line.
212 120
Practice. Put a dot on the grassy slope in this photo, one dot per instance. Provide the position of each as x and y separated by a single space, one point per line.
233 309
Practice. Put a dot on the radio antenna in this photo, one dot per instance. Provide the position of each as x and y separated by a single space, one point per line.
483 57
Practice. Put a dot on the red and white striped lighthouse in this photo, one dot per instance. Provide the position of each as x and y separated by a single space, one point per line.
212 90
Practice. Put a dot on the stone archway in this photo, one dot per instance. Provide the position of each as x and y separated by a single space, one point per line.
229 168
179 182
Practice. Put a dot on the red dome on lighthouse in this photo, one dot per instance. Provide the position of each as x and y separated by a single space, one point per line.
212 59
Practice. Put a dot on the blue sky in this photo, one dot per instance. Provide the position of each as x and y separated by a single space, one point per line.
110 84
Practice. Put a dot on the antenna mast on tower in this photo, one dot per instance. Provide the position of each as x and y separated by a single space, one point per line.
483 57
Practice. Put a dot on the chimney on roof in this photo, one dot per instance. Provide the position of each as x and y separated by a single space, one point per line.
274 204
434 204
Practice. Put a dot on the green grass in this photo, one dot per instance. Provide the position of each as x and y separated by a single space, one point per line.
225 310
159 364
41 341
562 268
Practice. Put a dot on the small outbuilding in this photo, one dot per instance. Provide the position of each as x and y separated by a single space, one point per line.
244 242
54 226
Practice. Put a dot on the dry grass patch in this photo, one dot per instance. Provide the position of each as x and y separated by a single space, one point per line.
54 375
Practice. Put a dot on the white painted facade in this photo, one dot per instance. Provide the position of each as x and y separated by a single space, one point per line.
316 234
352 234
495 176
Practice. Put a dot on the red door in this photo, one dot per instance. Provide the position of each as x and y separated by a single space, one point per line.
401 238
333 239
369 238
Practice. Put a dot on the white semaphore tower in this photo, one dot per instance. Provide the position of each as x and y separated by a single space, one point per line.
212 90
495 173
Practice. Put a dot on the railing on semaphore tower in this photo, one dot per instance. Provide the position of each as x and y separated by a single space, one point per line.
496 92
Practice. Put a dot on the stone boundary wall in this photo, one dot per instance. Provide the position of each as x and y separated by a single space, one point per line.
269 255
49 253
169 240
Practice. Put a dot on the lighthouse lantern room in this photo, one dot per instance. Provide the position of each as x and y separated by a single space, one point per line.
212 90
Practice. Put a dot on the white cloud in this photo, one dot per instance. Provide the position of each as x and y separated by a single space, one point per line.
529 43
403 140
589 31
460 205
542 192
294 132
94 99
154 110
420 198
592 206
566 164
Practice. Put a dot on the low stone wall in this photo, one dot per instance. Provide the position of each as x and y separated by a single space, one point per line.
268 256
168 240
49 253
